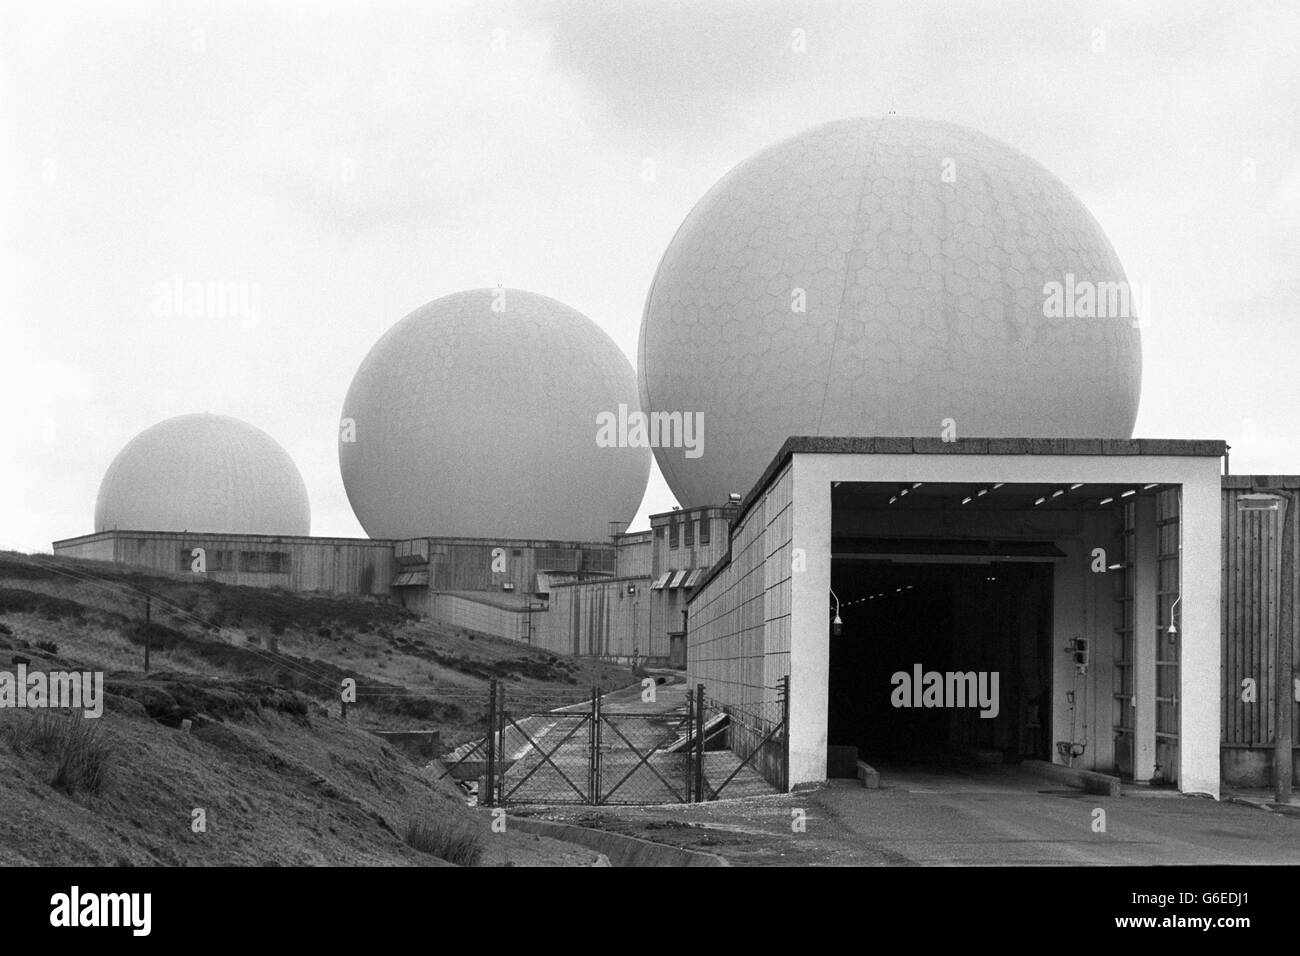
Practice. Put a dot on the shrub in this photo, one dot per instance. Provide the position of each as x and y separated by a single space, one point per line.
85 758
449 840
40 732
160 636
82 751
48 646
17 601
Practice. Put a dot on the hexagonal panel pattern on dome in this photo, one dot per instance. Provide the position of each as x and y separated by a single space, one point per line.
482 423
203 473
924 301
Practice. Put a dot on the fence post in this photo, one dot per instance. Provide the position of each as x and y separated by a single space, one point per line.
489 781
148 630
691 730
785 734
700 795
502 720
599 769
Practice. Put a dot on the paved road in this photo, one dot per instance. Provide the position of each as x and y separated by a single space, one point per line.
996 816
1005 817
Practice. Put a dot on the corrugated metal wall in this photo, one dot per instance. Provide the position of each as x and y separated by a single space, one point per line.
601 619
467 566
1252 586
336 565
697 554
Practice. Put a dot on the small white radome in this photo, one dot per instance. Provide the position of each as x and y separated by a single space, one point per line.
203 473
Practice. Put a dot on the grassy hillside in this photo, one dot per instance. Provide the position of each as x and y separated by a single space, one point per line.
409 673
279 776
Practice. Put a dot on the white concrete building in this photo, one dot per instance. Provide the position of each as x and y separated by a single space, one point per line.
1057 564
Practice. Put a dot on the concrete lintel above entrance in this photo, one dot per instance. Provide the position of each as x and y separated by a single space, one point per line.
998 447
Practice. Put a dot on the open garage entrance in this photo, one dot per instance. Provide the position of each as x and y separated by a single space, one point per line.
983 627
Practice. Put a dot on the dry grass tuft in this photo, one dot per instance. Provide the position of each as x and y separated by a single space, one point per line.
82 751
450 840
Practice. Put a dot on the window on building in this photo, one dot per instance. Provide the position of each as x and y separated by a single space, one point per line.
558 559
690 533
672 535
264 562
604 561
704 530
213 559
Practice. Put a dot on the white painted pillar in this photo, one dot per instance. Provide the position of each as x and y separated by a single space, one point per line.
1199 625
810 618
1145 571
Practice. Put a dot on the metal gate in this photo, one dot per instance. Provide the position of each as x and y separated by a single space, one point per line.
640 760
743 751
545 758
603 753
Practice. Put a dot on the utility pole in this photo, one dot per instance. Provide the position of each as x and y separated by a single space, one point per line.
148 629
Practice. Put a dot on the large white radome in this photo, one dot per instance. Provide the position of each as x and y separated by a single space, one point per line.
475 421
203 473
924 302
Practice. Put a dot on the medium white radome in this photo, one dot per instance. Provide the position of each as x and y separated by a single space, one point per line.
203 473
918 252
476 416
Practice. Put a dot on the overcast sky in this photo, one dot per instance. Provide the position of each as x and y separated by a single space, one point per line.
352 161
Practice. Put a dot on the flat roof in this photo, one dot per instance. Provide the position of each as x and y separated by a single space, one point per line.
695 510
1260 482
222 536
537 543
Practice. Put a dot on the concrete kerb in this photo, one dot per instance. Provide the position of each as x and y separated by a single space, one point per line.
622 850
868 775
1089 781
1261 803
